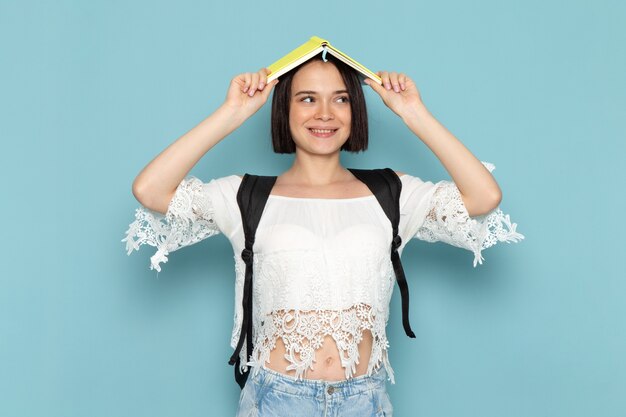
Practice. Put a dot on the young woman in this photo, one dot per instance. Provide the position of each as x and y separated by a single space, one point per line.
323 277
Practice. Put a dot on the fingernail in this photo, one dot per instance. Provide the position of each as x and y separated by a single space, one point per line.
396 88
402 85
251 93
261 86
245 89
387 86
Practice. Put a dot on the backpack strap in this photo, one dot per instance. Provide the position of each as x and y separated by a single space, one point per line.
386 186
252 195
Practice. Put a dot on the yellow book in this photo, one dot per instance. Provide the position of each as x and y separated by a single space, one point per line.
308 50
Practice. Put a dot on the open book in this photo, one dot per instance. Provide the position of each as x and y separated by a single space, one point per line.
308 50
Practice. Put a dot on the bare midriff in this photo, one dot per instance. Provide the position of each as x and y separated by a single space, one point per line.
327 365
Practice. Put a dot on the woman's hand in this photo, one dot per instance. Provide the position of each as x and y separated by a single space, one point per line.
398 92
248 92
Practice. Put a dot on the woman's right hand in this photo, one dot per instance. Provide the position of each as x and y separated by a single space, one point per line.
248 92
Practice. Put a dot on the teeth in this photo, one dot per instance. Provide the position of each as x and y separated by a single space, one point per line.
322 130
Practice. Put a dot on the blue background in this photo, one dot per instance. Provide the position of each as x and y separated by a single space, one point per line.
91 91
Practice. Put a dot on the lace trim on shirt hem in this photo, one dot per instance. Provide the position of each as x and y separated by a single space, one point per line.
373 367
303 332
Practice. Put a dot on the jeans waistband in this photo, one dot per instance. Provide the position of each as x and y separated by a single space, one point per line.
268 379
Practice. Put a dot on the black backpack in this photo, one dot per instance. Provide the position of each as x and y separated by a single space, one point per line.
251 197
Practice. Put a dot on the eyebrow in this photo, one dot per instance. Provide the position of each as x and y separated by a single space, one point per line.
315 92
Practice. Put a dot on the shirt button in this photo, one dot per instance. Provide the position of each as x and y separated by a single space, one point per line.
331 390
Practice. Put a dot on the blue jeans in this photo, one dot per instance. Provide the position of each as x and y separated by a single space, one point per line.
273 394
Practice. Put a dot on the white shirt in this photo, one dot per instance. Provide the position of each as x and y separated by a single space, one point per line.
321 266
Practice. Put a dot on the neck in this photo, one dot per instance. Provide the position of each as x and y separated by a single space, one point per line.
316 170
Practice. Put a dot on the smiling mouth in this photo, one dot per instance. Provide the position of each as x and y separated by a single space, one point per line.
322 133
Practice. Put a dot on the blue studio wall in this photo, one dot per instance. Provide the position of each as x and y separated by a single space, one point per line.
91 91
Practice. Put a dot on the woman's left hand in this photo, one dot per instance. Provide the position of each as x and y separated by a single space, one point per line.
398 92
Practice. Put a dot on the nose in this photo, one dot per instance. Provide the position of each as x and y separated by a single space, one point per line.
324 112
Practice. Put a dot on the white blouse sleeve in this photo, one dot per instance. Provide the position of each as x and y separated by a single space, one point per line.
440 216
192 215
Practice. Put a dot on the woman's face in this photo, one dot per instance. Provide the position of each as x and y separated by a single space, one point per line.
319 100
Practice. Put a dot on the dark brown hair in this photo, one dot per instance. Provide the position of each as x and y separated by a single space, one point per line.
282 141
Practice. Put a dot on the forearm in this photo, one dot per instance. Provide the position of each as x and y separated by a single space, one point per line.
157 182
479 189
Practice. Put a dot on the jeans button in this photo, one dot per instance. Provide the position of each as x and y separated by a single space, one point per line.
331 390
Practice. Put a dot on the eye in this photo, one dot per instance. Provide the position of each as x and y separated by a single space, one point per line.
344 99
